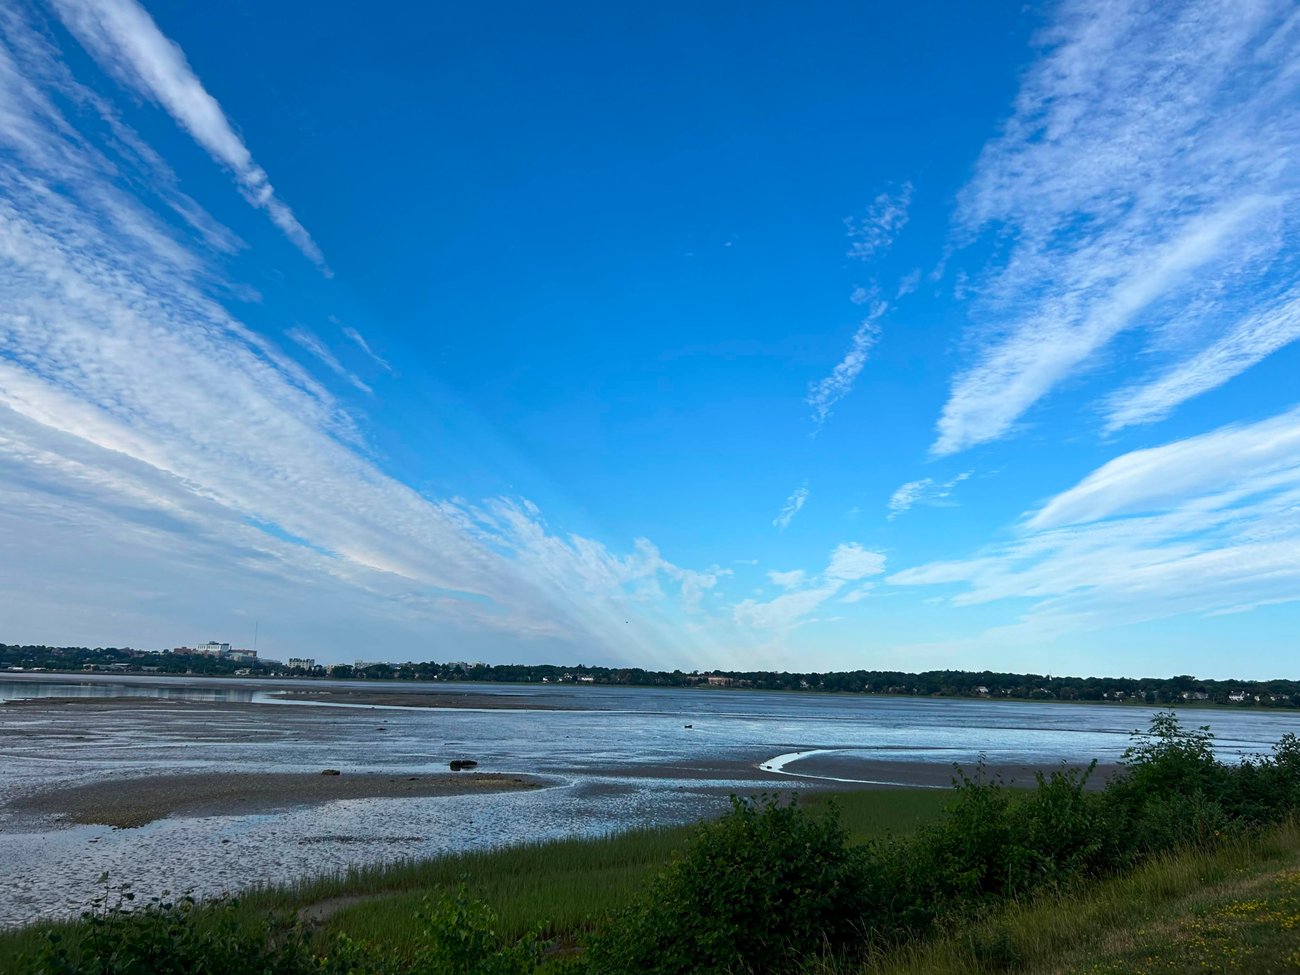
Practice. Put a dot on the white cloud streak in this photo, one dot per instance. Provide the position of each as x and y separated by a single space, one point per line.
793 505
316 347
1147 181
122 36
169 460
872 234
360 341
1205 525
1241 459
848 563
924 491
825 393
1250 340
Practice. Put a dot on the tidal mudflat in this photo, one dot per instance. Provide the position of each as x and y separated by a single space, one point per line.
135 802
564 761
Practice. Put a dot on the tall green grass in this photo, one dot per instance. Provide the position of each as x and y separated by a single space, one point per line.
1130 923
564 885
561 885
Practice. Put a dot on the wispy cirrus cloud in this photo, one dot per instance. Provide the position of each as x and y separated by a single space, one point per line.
825 393
848 564
924 491
872 234
126 41
1250 340
144 427
793 505
304 339
1205 525
1146 181
360 342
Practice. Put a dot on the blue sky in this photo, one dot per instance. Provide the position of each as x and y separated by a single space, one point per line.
776 336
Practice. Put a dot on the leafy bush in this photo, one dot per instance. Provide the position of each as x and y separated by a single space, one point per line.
460 938
1175 792
1168 757
995 843
754 892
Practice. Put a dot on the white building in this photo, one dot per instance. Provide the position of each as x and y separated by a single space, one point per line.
306 663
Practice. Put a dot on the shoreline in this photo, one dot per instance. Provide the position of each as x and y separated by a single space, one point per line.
330 698
272 686
133 802
139 800
840 768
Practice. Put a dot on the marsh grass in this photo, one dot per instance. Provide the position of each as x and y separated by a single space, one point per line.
564 886
1234 907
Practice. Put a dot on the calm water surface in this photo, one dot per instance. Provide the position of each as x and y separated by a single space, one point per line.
616 757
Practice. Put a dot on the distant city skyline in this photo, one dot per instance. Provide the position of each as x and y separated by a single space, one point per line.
899 337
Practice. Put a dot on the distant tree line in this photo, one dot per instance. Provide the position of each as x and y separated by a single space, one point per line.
1183 688
121 659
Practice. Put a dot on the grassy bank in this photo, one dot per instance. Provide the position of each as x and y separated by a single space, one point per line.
562 886
1232 908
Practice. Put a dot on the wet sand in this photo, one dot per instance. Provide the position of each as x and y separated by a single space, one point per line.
359 699
416 699
127 803
855 772
840 773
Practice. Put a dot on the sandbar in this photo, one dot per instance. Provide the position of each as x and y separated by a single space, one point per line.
339 698
133 802
422 699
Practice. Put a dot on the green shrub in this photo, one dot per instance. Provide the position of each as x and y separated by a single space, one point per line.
996 843
1167 758
1174 792
754 892
460 938
166 937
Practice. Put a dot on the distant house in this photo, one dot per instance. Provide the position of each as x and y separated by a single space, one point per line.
1237 696
982 691
716 681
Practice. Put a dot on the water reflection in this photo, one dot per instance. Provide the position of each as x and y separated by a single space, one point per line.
34 689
